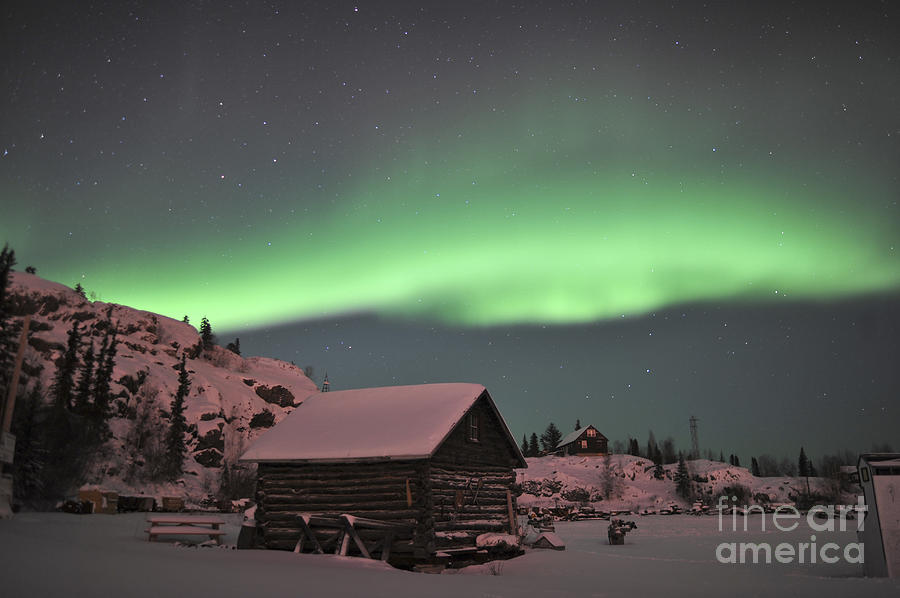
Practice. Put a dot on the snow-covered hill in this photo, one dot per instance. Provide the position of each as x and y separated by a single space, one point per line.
631 484
232 398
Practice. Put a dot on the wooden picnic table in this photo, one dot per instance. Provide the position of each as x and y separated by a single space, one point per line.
347 526
185 525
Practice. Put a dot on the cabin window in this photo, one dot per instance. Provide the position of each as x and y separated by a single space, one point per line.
591 432
584 444
473 427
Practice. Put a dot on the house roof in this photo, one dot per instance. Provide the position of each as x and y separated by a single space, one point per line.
573 436
392 422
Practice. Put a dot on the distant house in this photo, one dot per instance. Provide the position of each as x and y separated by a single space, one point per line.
584 441
436 457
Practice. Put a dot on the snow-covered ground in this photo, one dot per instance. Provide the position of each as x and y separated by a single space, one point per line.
54 554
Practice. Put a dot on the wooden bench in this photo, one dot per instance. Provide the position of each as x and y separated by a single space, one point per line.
185 525
347 526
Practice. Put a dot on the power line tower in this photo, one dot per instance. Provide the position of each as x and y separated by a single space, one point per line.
326 385
695 443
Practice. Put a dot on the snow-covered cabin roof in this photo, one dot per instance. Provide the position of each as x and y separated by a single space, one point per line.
391 422
573 436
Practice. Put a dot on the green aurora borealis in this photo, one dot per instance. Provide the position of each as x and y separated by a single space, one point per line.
500 244
607 182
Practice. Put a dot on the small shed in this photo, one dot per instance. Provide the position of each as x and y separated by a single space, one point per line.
879 477
583 441
436 457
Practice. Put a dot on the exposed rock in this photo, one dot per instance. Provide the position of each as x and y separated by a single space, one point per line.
277 395
212 440
43 346
249 381
576 494
209 458
265 419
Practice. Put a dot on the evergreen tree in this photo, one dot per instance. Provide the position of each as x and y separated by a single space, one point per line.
524 446
82 398
206 334
80 290
8 332
682 479
653 452
64 381
577 424
101 411
30 454
658 471
550 438
235 347
31 269
803 464
754 466
175 448
737 461
533 450
633 448
721 457
186 319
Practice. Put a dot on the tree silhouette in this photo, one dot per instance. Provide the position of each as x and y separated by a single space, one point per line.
175 447
550 438
206 335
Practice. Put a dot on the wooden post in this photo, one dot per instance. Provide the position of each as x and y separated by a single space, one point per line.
14 384
513 528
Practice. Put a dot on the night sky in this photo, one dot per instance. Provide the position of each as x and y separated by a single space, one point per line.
627 213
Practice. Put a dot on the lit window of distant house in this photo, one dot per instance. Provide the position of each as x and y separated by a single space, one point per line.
591 432
584 444
473 427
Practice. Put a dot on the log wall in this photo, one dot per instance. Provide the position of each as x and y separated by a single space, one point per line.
470 480
373 490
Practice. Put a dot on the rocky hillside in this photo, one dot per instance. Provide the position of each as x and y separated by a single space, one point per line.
630 483
232 398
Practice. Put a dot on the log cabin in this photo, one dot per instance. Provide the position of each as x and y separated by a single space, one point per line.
583 441
438 459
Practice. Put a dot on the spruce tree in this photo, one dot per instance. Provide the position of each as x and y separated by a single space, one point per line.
206 335
30 455
803 464
8 331
80 290
82 399
682 479
175 448
524 447
533 450
186 319
235 347
550 438
658 471
754 466
653 452
64 381
101 411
